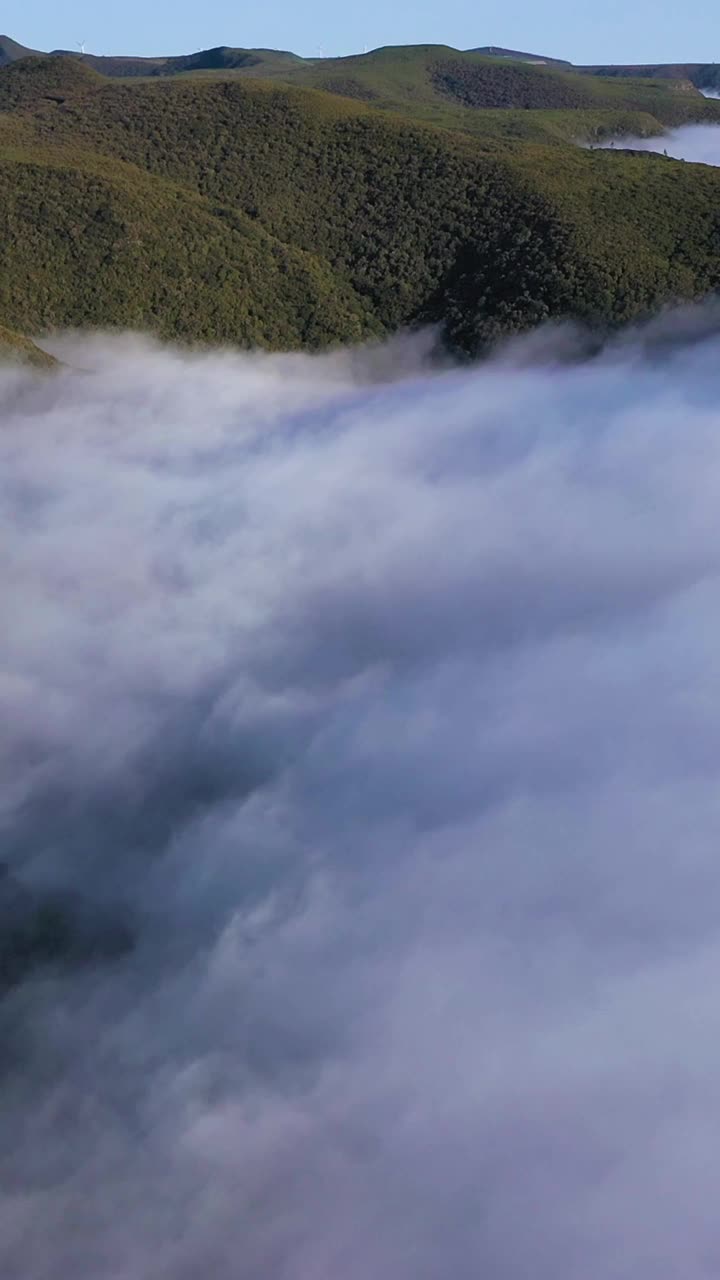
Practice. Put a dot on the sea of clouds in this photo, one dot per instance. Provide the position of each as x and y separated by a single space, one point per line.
697 143
385 714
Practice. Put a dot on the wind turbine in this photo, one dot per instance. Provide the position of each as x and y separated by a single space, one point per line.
81 46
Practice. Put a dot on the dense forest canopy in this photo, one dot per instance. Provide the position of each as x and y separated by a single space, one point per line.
255 198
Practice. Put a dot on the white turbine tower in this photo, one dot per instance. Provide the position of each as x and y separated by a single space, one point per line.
81 46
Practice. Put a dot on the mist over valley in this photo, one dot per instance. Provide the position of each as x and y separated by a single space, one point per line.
359 460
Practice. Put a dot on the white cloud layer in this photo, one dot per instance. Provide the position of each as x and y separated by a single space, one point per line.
698 143
388 715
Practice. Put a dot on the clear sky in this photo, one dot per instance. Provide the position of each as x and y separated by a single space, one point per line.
614 31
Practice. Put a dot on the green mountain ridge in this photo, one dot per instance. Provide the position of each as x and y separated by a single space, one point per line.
700 74
322 203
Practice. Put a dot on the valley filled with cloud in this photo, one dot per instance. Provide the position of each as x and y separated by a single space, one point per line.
373 715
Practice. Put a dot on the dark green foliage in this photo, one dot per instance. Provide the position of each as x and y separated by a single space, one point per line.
10 51
521 271
219 207
446 87
85 248
508 85
35 81
521 86
346 87
704 75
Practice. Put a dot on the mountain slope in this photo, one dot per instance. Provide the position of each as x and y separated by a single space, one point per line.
450 88
703 75
11 51
233 209
491 51
447 87
17 349
125 67
278 63
91 240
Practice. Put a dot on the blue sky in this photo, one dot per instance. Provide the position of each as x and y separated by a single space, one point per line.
613 31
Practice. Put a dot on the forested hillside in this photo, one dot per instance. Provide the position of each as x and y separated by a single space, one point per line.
702 75
223 207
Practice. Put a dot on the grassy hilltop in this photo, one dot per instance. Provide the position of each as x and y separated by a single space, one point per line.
260 199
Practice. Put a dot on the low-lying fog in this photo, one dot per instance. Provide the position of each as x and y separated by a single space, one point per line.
385 720
699 143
